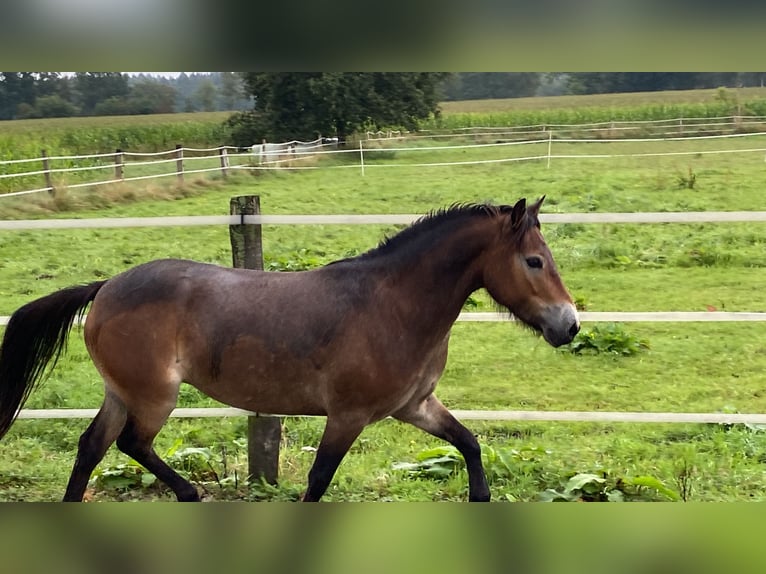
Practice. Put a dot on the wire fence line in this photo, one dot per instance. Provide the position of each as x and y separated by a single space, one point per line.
76 171
668 127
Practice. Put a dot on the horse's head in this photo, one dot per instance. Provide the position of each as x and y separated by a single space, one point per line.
522 276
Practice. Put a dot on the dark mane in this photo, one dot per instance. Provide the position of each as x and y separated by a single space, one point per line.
423 232
441 220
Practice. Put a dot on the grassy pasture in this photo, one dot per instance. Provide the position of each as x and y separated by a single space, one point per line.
689 367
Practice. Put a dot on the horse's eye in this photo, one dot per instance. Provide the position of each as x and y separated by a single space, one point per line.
535 262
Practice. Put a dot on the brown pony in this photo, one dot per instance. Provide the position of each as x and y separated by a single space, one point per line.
357 341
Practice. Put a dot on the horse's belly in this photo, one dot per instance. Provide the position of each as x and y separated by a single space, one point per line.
249 375
266 395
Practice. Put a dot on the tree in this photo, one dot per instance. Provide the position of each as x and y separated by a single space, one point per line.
9 99
204 95
17 94
482 85
95 87
230 90
54 106
151 97
612 82
114 106
305 105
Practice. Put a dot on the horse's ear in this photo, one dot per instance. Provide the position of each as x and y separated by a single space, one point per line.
534 209
518 212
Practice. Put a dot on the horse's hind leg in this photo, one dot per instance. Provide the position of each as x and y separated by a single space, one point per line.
136 441
94 442
434 418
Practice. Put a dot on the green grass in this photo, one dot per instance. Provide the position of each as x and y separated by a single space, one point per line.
662 267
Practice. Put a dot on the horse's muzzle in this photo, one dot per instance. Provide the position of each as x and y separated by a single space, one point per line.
560 324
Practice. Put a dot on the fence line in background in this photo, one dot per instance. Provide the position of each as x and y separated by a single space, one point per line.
532 128
679 126
285 155
725 120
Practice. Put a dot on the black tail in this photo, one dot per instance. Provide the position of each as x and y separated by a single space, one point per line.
36 334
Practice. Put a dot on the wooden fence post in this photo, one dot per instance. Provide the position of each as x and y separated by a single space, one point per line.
180 163
47 170
361 155
119 164
263 432
224 161
550 143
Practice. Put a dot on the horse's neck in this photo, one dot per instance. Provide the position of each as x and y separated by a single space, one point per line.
438 281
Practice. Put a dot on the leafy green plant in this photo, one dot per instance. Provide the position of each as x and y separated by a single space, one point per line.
196 464
610 339
472 303
283 492
500 464
589 487
581 302
123 476
436 463
503 464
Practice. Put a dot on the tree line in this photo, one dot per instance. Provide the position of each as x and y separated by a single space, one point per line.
53 94
483 85
26 95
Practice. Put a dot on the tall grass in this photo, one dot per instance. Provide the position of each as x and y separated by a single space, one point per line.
587 115
20 139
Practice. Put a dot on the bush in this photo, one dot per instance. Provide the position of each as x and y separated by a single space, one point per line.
611 339
246 128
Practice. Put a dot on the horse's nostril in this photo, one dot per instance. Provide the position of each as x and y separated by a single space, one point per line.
574 329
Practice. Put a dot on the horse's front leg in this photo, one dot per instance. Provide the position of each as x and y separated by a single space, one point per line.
339 435
433 417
